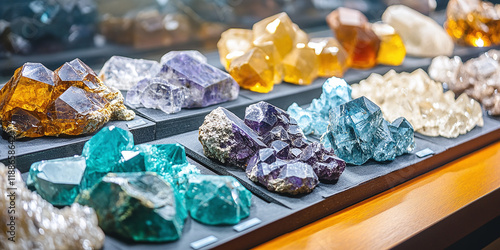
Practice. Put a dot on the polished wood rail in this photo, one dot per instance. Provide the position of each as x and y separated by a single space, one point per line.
433 210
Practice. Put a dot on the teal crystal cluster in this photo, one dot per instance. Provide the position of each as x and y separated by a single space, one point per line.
217 200
314 119
358 132
138 191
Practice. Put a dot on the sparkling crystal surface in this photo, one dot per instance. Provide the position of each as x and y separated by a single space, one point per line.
314 119
123 73
205 85
277 29
422 102
58 181
234 43
358 132
392 49
332 57
71 100
300 66
353 31
138 206
40 224
421 35
157 93
216 200
253 70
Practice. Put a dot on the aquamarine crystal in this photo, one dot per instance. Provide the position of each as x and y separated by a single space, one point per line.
157 93
138 206
216 200
58 181
358 132
314 119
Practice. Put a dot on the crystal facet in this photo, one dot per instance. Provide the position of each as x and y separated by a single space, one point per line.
216 200
354 33
58 181
421 100
38 223
138 206
332 58
253 70
123 73
392 50
234 43
358 132
300 65
157 93
277 29
421 35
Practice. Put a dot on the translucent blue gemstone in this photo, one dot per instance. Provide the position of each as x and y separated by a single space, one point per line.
403 134
216 200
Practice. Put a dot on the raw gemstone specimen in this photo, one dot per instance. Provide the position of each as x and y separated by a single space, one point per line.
123 72
392 50
358 132
354 33
275 60
234 43
58 181
71 100
314 119
271 147
279 30
157 93
332 57
421 35
477 77
138 206
300 65
253 70
216 200
205 85
421 100
473 22
40 224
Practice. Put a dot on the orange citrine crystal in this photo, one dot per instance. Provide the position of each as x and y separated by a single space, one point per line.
354 33
253 71
300 65
392 49
332 57
234 43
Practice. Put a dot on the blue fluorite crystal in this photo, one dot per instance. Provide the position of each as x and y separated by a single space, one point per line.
139 206
157 93
205 85
314 119
358 132
216 200
58 181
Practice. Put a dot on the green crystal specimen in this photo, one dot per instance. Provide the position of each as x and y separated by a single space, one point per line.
57 181
216 200
139 206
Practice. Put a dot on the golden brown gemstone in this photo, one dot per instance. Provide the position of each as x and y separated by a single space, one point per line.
332 57
300 65
72 100
274 58
234 43
392 50
278 29
253 71
473 22
354 33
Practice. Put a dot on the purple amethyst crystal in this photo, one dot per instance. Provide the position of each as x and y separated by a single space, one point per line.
206 85
271 146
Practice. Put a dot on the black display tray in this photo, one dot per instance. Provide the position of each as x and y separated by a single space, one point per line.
30 150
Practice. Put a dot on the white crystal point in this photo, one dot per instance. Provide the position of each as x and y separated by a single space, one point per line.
123 72
445 69
422 36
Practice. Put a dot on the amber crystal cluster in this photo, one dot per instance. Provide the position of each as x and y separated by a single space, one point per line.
366 44
276 49
473 22
421 100
71 100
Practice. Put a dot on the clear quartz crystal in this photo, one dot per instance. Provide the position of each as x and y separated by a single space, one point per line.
123 73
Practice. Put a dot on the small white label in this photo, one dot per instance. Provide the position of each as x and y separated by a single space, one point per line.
204 242
247 224
136 123
424 152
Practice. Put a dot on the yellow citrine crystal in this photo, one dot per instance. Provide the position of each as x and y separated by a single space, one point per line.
392 50
234 43
274 58
333 60
253 71
300 65
278 29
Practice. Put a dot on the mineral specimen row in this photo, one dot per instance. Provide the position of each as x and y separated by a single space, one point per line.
422 101
478 77
71 100
271 147
182 79
142 192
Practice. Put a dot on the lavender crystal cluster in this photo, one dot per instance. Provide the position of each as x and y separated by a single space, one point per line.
271 147
184 81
